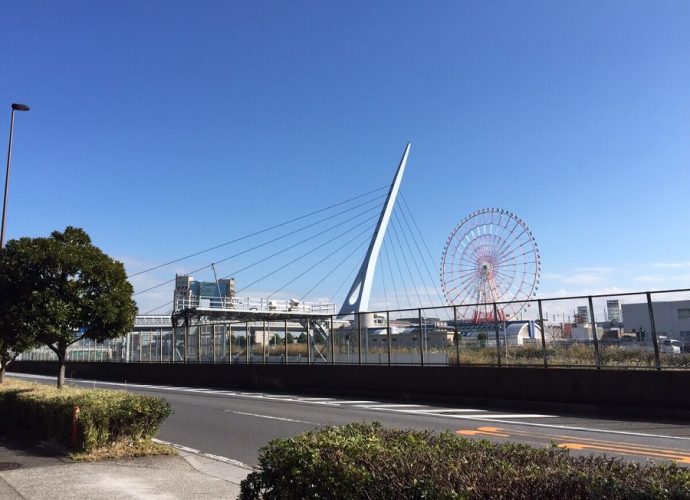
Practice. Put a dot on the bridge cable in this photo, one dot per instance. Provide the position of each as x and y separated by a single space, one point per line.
423 240
402 279
402 252
321 261
298 258
413 257
334 269
390 273
235 273
292 233
254 233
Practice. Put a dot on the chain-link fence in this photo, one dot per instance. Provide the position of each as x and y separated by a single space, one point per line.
647 330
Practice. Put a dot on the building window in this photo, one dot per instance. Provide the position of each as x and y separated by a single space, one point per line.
684 313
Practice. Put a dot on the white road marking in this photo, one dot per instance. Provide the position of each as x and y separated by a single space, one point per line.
587 429
271 417
386 406
492 418
218 458
445 411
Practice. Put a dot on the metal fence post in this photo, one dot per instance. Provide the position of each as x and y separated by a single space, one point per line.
246 341
388 335
498 335
655 340
421 338
457 335
332 335
160 347
263 348
172 342
228 330
543 334
185 340
359 338
213 343
309 339
286 341
198 342
594 332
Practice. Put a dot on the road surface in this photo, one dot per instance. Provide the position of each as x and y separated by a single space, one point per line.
235 424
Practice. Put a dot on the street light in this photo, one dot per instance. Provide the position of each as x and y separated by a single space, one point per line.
15 107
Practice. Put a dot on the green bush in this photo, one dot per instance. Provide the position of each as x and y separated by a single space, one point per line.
105 416
369 461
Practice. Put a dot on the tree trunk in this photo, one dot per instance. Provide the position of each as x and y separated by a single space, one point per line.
2 373
61 355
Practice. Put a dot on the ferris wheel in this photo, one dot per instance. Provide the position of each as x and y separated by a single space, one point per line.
490 257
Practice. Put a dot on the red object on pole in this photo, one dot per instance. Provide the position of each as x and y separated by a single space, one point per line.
75 426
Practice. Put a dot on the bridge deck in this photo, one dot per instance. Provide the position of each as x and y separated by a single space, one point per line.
251 309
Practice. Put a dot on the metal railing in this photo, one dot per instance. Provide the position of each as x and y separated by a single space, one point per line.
641 330
253 304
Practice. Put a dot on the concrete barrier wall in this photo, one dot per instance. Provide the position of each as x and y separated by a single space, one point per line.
660 393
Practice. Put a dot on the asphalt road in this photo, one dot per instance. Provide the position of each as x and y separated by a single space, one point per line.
236 424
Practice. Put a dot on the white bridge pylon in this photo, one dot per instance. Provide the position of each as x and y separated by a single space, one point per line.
357 299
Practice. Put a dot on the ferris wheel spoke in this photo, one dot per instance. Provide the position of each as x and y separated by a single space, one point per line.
513 265
515 257
462 274
508 244
461 280
510 233
463 283
466 291
515 249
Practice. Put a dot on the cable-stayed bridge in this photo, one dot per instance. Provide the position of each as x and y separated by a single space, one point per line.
342 259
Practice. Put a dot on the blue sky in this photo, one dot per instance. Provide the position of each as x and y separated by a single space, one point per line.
163 128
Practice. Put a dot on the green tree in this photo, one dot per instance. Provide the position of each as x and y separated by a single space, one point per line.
13 338
66 289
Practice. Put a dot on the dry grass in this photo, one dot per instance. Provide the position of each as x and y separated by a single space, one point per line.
122 449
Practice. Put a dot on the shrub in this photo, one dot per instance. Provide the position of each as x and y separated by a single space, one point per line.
105 416
369 461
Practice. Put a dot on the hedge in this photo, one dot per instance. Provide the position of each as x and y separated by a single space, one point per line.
105 416
368 461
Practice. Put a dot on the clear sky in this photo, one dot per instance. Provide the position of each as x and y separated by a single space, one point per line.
166 127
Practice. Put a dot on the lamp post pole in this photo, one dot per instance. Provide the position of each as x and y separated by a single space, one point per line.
15 107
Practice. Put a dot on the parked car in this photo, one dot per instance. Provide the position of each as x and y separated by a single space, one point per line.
669 346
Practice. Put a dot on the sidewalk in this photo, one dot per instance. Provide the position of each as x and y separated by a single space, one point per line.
36 472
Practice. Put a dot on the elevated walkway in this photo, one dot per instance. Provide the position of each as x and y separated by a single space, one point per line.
249 309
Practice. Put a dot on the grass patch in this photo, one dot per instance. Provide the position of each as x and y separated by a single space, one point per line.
123 448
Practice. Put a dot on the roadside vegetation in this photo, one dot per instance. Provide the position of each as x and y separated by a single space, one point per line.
58 290
369 461
109 424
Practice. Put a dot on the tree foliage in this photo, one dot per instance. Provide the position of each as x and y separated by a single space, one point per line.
63 284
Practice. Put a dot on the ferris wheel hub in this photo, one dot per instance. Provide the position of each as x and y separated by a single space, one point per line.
486 268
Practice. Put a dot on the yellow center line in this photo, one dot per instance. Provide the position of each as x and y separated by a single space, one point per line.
474 433
587 443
